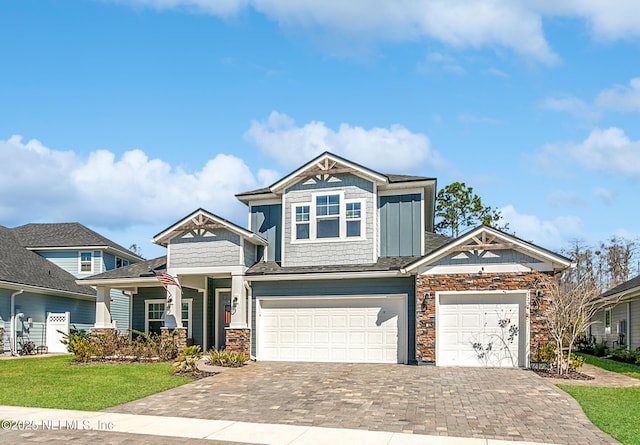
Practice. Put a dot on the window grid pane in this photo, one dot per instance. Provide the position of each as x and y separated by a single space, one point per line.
353 210
327 205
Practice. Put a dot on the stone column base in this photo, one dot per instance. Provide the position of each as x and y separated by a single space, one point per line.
176 335
238 340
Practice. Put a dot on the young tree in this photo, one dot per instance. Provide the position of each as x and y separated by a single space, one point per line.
573 305
458 209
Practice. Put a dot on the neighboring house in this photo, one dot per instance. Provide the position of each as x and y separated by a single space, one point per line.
340 263
618 322
39 265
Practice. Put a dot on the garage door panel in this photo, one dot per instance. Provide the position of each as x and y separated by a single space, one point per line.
483 320
351 330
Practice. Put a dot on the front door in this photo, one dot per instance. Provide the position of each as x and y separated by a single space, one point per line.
223 315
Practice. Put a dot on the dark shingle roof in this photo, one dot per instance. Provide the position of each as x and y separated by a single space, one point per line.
63 235
21 266
627 285
136 270
383 264
392 179
434 241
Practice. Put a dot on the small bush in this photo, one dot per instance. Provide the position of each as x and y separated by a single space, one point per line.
623 355
231 359
576 362
187 360
600 349
546 354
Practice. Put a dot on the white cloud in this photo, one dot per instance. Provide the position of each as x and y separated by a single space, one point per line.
606 196
604 150
621 97
552 234
393 149
495 72
607 20
457 23
572 105
43 184
468 118
436 60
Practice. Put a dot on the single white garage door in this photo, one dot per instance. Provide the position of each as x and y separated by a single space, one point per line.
481 330
359 330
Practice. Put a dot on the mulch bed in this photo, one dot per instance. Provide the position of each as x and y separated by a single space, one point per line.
552 374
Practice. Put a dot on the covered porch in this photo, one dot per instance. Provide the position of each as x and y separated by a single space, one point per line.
210 308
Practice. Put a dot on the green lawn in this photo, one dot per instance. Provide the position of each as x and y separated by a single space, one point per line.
615 411
612 365
51 382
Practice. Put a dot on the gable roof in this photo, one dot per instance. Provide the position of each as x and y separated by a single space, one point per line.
204 220
627 287
66 235
558 261
327 157
21 267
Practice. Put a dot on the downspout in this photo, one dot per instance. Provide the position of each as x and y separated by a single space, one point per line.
12 338
628 333
247 286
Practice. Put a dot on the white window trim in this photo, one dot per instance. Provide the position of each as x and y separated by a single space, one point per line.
122 260
607 329
184 300
342 217
80 261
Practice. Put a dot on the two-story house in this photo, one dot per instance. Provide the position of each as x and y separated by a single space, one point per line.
39 265
339 263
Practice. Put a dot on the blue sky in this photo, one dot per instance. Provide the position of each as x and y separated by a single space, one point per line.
127 115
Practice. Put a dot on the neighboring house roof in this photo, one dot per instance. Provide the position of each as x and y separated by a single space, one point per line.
204 220
383 264
364 171
136 270
627 287
19 266
66 235
558 261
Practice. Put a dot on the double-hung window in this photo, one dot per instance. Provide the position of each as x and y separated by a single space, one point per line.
302 222
86 262
354 219
328 216
155 313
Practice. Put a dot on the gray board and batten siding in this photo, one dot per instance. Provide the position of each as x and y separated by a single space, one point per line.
329 251
346 288
266 221
400 225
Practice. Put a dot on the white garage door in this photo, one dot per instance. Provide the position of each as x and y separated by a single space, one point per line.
481 330
362 330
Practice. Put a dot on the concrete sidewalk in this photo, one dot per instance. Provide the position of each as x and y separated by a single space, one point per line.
42 420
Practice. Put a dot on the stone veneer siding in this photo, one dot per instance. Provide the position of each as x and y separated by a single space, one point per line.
428 285
177 335
238 340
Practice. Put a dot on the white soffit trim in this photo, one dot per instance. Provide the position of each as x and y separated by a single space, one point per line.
486 268
362 171
165 236
325 276
519 245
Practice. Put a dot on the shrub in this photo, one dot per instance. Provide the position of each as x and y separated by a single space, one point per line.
187 360
600 349
231 359
546 354
575 363
622 355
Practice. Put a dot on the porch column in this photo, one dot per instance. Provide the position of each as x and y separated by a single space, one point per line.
173 311
103 308
238 303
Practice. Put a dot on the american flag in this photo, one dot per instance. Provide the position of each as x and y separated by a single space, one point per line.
166 280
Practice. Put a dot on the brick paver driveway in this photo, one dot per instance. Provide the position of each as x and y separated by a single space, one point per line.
470 402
